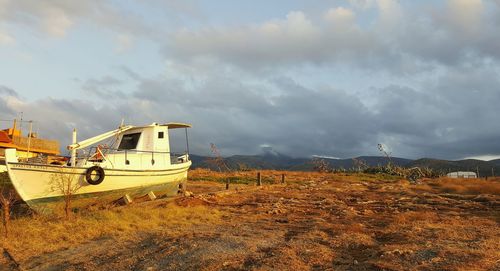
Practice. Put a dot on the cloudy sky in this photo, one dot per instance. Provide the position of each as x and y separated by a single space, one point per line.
331 78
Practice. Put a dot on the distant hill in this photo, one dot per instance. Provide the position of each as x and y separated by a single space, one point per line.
349 163
371 161
282 162
241 162
496 162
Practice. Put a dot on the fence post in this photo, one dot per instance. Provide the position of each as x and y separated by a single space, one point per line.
259 180
283 178
227 183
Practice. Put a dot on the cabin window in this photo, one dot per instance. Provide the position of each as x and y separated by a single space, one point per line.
160 134
129 141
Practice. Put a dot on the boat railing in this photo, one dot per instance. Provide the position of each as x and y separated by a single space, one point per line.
102 153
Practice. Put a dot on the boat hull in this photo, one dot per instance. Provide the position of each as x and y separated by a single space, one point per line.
43 186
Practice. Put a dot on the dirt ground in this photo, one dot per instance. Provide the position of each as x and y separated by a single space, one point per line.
313 222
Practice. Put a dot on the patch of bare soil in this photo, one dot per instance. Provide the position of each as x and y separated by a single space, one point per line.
329 222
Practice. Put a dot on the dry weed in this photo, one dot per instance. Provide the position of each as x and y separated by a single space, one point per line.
462 186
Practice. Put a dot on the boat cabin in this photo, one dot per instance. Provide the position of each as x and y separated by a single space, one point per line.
145 147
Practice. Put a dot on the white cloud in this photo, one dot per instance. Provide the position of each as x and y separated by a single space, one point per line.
3 7
362 4
57 17
396 40
6 39
56 22
340 16
296 40
275 41
297 23
124 43
466 15
391 16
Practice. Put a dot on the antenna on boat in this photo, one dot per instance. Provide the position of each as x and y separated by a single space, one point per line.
21 122
187 141
122 124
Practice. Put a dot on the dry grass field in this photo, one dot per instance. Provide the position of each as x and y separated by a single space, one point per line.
316 221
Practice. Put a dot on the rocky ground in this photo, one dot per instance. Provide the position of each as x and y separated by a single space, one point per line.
317 222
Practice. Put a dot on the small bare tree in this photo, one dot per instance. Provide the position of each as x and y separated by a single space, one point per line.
320 165
387 155
217 159
7 199
359 164
67 184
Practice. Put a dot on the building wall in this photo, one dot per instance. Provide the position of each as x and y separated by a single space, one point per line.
462 174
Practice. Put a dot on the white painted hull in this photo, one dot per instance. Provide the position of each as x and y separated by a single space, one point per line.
35 183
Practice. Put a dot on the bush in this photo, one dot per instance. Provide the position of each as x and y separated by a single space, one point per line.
411 174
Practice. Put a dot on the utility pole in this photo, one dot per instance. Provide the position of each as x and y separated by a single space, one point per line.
29 138
21 122
14 126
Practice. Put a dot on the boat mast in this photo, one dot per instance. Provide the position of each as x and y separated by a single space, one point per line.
73 151
187 140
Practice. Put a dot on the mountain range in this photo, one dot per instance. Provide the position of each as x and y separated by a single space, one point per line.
283 162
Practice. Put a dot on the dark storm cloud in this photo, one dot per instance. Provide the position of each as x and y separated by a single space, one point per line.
56 118
455 117
6 91
5 110
242 117
105 87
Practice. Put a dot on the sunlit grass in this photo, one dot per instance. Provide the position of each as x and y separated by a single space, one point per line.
462 186
33 235
372 213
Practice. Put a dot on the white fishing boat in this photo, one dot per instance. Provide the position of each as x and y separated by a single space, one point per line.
139 162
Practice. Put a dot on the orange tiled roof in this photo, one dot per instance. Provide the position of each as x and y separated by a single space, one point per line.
4 137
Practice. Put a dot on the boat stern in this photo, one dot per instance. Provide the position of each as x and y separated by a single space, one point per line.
10 156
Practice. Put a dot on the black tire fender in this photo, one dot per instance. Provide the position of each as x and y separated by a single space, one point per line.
99 171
